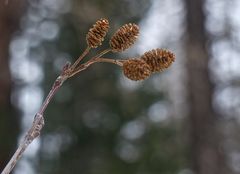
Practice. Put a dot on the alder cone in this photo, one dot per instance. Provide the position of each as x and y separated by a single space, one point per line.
97 33
136 69
158 59
124 37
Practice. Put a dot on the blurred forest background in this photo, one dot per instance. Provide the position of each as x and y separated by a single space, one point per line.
182 121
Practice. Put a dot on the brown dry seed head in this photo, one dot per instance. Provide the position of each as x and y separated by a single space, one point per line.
136 69
97 33
158 59
124 37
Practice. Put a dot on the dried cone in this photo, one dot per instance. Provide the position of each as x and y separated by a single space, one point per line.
124 37
158 59
136 69
97 33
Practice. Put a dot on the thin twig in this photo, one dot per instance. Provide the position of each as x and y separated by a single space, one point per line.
81 57
91 61
102 53
37 124
97 60
109 60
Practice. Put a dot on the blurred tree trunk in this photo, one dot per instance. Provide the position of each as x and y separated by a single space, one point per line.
9 122
206 154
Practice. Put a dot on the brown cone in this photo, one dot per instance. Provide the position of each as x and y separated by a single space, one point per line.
97 33
124 37
136 69
158 59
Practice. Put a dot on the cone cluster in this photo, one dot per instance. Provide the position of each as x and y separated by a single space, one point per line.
97 33
124 37
150 62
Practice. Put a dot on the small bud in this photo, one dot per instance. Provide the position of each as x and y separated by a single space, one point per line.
136 69
158 59
124 37
66 66
97 33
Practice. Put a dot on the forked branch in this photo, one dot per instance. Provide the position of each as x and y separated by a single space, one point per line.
135 69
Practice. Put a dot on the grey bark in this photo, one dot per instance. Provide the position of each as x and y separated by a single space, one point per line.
206 151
